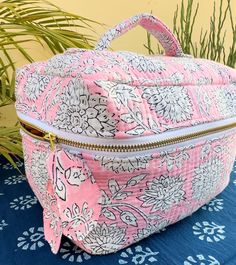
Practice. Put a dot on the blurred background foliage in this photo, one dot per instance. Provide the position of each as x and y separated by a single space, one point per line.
210 43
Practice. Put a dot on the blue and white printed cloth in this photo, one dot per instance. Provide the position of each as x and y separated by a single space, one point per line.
208 237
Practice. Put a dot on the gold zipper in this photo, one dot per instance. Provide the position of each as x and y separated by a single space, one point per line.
53 139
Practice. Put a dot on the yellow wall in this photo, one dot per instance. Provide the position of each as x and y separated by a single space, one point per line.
111 12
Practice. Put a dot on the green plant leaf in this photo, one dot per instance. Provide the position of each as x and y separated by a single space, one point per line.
211 42
33 21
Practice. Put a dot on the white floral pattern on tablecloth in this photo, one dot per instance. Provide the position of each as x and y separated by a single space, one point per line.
23 202
72 253
15 179
10 166
214 205
201 260
138 255
209 231
3 224
32 239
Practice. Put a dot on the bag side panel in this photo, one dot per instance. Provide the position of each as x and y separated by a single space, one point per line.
143 195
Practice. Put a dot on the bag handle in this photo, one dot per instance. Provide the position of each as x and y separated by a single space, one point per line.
153 25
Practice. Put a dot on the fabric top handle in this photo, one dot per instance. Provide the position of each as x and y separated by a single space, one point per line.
153 25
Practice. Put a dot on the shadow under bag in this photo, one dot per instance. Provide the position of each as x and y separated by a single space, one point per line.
119 145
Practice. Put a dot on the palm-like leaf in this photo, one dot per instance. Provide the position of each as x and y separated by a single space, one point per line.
25 21
35 21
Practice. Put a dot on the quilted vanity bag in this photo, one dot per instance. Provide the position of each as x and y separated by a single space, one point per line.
119 145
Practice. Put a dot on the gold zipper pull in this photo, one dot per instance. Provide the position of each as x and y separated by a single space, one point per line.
51 138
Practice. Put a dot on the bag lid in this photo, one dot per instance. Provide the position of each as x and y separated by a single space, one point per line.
108 94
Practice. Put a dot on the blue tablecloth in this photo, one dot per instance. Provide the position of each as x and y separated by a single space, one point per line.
207 237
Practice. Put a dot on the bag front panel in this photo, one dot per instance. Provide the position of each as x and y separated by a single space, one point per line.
136 195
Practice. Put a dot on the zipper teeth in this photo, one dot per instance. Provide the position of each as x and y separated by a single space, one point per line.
49 137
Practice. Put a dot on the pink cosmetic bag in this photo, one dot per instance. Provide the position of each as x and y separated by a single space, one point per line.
119 145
